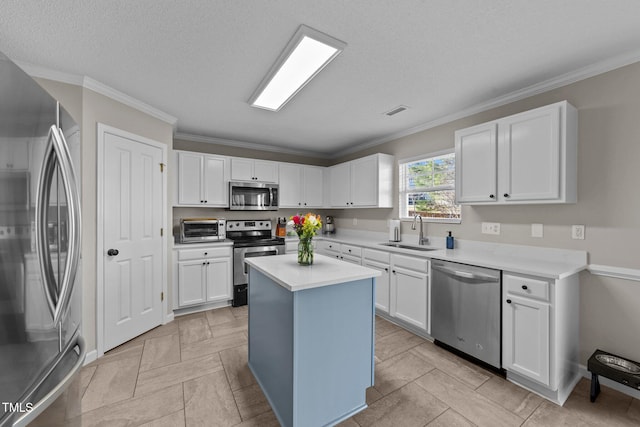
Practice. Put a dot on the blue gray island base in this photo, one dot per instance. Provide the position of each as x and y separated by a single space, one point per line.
312 350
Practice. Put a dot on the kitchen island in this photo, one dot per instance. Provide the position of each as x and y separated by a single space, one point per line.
311 337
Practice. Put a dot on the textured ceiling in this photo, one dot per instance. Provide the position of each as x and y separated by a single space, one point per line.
201 60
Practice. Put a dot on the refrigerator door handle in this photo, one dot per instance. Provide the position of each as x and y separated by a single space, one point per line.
57 152
42 404
42 242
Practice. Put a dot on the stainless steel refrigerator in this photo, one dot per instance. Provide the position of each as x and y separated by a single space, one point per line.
41 348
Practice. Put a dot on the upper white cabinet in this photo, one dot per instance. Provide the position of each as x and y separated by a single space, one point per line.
202 179
301 185
253 170
364 182
14 154
529 157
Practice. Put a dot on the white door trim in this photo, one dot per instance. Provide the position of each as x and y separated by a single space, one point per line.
102 131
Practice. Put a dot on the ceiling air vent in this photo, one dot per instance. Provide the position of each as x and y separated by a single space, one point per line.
396 110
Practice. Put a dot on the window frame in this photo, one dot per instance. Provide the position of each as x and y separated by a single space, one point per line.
402 191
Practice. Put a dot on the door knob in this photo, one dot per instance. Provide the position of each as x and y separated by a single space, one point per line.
113 252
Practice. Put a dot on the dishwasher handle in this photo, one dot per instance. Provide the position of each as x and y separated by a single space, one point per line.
465 274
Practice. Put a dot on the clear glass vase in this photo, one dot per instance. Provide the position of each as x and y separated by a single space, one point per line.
305 251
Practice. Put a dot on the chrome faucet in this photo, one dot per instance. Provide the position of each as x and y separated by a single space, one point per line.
421 239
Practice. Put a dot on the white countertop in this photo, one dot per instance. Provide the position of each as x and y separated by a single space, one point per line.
550 263
197 245
325 271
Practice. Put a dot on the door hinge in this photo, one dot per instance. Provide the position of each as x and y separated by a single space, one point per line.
161 232
161 296
162 165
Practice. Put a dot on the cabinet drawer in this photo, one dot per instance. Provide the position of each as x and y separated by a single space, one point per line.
526 286
328 246
351 250
203 253
374 255
412 263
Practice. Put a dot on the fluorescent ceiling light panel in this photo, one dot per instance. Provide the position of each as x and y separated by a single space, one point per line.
308 52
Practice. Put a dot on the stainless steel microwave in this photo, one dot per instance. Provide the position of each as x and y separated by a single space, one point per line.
199 230
253 196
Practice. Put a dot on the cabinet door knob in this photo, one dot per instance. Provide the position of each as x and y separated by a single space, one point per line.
506 194
525 287
206 253
508 301
113 252
491 196
393 271
386 269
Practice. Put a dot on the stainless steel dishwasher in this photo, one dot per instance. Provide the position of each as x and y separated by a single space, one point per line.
465 309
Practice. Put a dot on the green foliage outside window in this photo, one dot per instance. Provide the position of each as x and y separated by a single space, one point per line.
427 188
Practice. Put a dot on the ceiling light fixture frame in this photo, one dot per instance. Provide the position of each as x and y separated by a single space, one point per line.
301 33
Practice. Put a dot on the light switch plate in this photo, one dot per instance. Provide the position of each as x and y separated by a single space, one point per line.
537 230
577 232
490 228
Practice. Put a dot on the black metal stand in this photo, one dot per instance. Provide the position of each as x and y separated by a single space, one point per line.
595 387
616 368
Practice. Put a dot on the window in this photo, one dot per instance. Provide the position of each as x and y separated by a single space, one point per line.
427 188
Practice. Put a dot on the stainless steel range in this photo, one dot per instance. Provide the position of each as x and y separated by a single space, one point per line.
251 238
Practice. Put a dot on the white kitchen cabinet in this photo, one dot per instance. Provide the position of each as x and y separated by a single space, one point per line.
409 290
379 260
540 333
301 186
204 275
529 157
14 154
364 182
202 180
243 169
344 252
526 337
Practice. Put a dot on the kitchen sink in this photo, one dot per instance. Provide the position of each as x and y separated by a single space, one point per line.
402 246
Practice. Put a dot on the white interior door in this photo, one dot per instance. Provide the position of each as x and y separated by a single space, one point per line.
132 240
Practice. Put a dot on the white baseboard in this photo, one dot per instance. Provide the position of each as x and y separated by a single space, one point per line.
90 357
168 318
611 384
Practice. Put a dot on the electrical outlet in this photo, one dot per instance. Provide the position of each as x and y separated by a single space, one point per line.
577 232
537 230
490 228
355 221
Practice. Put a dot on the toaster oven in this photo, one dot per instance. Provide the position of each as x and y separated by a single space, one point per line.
200 230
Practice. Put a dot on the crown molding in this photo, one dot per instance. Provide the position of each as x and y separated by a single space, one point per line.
94 85
535 89
248 145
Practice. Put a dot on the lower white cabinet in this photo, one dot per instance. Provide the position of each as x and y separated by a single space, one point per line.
540 333
344 252
204 275
409 290
526 337
379 260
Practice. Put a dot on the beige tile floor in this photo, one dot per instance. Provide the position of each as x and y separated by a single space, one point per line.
193 372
